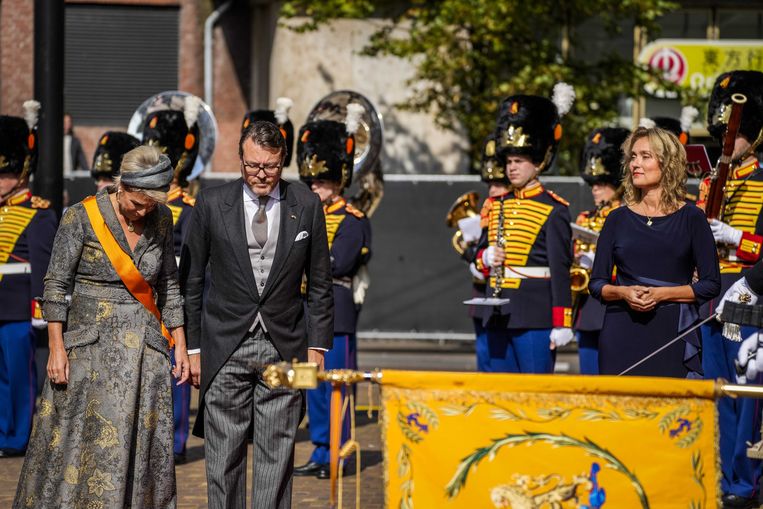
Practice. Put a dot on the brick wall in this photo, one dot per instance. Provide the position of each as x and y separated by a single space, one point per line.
17 70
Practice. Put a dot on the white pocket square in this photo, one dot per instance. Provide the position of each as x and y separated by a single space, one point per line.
301 235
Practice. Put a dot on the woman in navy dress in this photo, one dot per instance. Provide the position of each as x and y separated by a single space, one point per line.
655 263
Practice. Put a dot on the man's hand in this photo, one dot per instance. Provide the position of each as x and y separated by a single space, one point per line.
560 336
739 292
750 358
316 356
493 256
725 234
195 360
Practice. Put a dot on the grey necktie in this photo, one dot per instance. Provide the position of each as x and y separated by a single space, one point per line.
260 222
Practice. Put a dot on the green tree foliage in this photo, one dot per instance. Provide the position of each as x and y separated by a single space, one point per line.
470 54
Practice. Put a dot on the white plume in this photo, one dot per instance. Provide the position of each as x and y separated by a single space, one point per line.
191 110
354 112
283 105
688 115
647 123
563 97
31 113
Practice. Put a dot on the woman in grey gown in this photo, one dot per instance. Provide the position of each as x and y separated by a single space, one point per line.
102 438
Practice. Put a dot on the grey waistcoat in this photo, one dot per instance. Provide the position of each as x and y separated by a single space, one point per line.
260 257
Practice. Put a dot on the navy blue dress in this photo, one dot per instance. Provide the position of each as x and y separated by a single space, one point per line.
667 253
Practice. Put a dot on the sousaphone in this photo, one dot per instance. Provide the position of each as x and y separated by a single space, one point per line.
174 100
367 170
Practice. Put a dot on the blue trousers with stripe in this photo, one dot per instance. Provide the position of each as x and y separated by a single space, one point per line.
18 385
181 408
480 345
588 352
519 351
739 419
344 355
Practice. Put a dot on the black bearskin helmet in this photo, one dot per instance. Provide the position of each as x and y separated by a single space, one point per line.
326 148
176 133
529 125
678 127
18 141
112 146
491 169
279 117
748 83
602 158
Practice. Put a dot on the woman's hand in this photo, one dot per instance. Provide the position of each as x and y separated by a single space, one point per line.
182 370
58 365
639 298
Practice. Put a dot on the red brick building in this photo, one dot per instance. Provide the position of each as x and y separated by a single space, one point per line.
120 52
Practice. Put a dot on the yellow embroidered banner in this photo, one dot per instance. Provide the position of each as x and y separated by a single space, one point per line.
535 442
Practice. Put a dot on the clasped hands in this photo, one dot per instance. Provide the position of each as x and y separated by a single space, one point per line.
641 298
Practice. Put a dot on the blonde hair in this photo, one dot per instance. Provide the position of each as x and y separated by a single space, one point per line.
671 155
140 159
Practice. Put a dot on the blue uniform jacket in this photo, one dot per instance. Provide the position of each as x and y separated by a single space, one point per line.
349 236
27 229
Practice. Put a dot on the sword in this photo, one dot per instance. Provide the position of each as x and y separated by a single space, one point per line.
663 347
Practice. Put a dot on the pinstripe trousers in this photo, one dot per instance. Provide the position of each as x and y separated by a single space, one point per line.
236 397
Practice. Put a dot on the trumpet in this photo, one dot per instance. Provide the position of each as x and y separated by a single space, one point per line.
579 278
464 206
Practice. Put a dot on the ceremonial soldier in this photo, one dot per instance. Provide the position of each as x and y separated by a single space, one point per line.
680 127
108 156
27 228
493 174
601 168
526 247
177 134
739 236
325 154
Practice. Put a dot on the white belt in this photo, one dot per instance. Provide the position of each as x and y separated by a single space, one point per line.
527 272
15 268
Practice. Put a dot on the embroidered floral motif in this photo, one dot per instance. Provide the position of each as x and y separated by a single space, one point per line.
99 482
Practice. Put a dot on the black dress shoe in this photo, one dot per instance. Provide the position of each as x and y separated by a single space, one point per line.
739 502
309 468
325 472
180 459
10 453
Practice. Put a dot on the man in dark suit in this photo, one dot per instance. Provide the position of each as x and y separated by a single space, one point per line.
259 235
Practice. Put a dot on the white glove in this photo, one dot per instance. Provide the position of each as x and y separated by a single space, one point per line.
735 294
488 256
585 259
476 273
560 336
725 234
39 323
750 357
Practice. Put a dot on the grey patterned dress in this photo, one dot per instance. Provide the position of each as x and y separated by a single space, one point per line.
105 440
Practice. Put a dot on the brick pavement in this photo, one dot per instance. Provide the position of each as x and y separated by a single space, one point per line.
308 492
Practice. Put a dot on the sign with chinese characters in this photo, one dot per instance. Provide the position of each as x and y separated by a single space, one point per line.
470 440
696 63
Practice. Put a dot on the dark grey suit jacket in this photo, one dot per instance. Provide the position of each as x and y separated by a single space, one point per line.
217 236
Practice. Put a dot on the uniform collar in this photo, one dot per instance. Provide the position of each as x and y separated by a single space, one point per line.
20 197
529 191
337 205
747 169
174 194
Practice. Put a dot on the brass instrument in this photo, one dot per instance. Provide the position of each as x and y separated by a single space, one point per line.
579 278
464 206
369 140
174 100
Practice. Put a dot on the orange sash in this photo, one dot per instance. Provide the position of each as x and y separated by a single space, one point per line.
131 277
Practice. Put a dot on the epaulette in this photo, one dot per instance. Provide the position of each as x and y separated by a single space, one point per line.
558 198
189 200
40 203
355 212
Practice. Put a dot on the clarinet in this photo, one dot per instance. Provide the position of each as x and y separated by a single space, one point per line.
500 242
